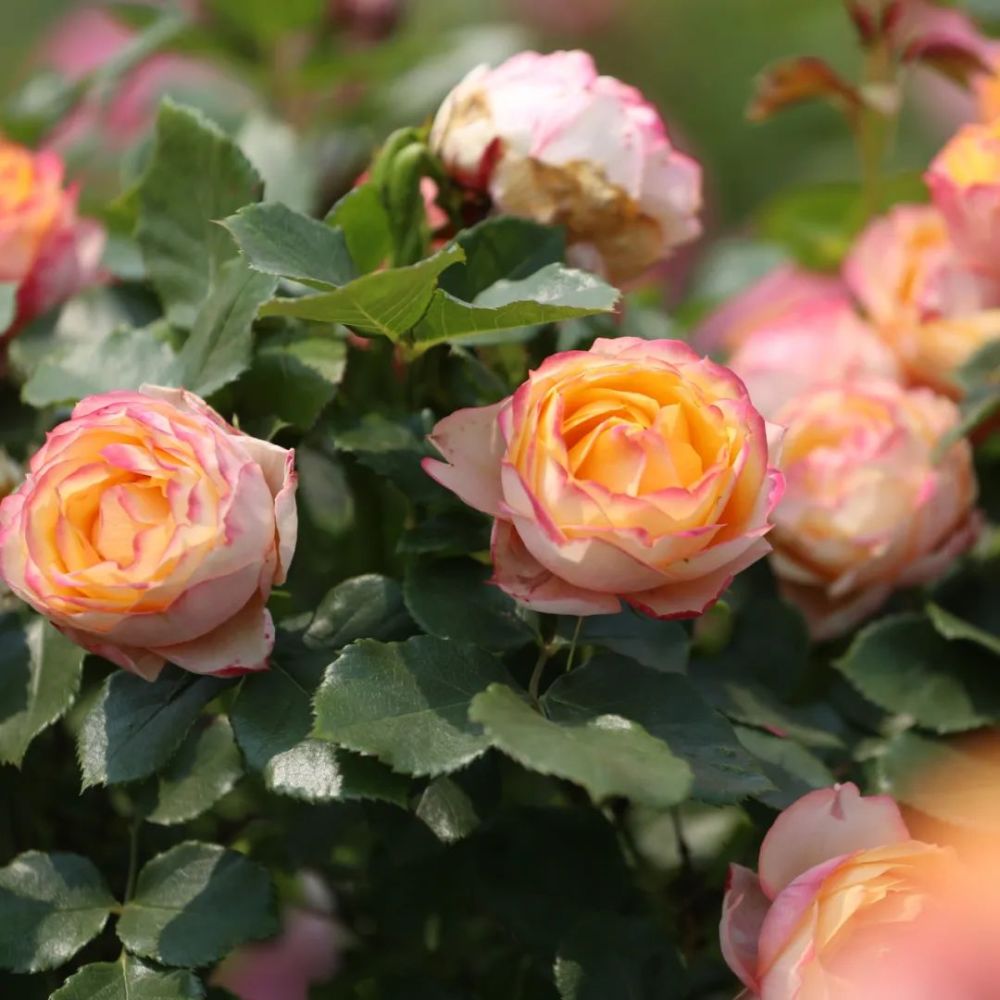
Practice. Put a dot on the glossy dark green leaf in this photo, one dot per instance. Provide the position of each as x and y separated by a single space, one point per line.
134 727
652 642
130 978
40 673
906 667
196 177
51 905
362 217
448 810
407 703
277 241
952 627
789 767
363 607
606 754
196 902
435 588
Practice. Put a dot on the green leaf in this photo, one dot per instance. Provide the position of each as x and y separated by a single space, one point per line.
407 703
904 666
51 905
272 718
609 956
790 768
364 607
503 248
294 375
196 902
447 810
197 176
606 754
362 217
40 672
134 727
266 21
125 359
277 241
552 294
206 767
389 302
669 708
130 978
652 642
952 627
220 347
434 589
8 304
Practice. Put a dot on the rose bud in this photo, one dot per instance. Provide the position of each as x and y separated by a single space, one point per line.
825 343
45 249
846 906
636 471
548 139
150 530
921 296
869 506
368 19
964 180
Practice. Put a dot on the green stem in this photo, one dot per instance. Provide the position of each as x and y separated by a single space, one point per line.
572 645
875 129
536 675
133 859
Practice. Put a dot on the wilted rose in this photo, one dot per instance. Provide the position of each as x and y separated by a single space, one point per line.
636 471
549 139
810 346
921 296
150 530
847 906
868 506
45 249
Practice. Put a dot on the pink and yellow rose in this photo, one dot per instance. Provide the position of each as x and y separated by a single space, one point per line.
149 530
846 906
636 471
549 139
869 506
45 249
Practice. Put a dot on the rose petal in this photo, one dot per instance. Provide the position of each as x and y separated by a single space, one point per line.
743 911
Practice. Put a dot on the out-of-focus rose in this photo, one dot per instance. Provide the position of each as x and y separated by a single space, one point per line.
775 298
368 19
847 907
149 530
986 88
549 139
964 180
576 18
868 505
826 342
307 953
635 471
45 248
932 308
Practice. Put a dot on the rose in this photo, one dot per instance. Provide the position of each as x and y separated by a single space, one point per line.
964 180
368 19
824 343
868 506
932 308
550 140
986 88
634 471
45 249
774 299
848 907
148 530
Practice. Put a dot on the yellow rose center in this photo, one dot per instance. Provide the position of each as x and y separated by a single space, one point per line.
17 178
974 156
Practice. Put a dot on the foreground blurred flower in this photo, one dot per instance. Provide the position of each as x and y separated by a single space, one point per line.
847 907
812 345
149 530
931 307
964 180
868 507
634 471
45 249
549 139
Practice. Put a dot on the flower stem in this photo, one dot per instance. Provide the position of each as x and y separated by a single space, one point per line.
133 859
875 125
572 645
536 675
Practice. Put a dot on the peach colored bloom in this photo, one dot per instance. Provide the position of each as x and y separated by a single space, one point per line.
986 88
149 530
847 907
964 180
824 343
868 506
549 139
774 299
44 248
634 471
921 296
